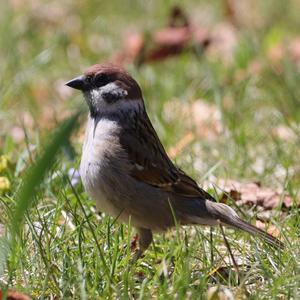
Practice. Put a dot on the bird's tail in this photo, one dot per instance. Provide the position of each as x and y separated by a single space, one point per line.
228 216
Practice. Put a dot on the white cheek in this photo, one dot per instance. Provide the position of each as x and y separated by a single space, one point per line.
112 88
96 99
96 95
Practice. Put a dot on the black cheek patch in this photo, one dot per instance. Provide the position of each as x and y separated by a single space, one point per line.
114 96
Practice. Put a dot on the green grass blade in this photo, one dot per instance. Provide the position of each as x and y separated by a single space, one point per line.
33 178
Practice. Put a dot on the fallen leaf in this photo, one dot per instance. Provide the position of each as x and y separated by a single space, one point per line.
271 229
224 40
254 194
289 49
255 67
229 10
172 36
14 295
17 133
294 49
133 46
284 133
168 42
276 54
177 36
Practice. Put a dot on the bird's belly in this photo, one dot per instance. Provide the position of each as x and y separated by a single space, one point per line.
122 199
94 182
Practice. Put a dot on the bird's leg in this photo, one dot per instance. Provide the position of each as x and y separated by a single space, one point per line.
145 239
134 242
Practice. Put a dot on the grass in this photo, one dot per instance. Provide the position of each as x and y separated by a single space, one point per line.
64 249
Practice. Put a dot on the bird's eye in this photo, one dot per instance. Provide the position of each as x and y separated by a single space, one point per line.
89 79
101 79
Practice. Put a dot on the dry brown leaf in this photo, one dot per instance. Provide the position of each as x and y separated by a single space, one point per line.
284 133
14 295
271 229
289 49
159 46
179 35
294 49
224 40
254 194
173 39
132 49
237 13
168 42
275 54
17 133
255 68
172 36
229 11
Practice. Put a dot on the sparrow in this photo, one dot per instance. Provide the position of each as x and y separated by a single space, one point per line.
126 170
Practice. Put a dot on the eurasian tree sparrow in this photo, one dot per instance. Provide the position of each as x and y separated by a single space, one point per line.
126 169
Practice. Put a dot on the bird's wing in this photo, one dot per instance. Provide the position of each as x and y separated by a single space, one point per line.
151 164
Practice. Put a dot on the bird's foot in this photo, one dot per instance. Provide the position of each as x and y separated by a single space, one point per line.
138 253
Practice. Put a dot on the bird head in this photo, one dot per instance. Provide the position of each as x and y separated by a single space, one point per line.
108 88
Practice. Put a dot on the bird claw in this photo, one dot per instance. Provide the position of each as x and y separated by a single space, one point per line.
138 253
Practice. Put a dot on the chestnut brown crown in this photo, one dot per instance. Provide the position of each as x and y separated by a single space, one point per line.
100 75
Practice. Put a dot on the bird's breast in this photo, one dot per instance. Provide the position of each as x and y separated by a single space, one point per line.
99 153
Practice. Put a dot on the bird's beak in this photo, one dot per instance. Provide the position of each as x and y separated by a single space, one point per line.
78 83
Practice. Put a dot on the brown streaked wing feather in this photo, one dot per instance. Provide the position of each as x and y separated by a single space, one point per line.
151 163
